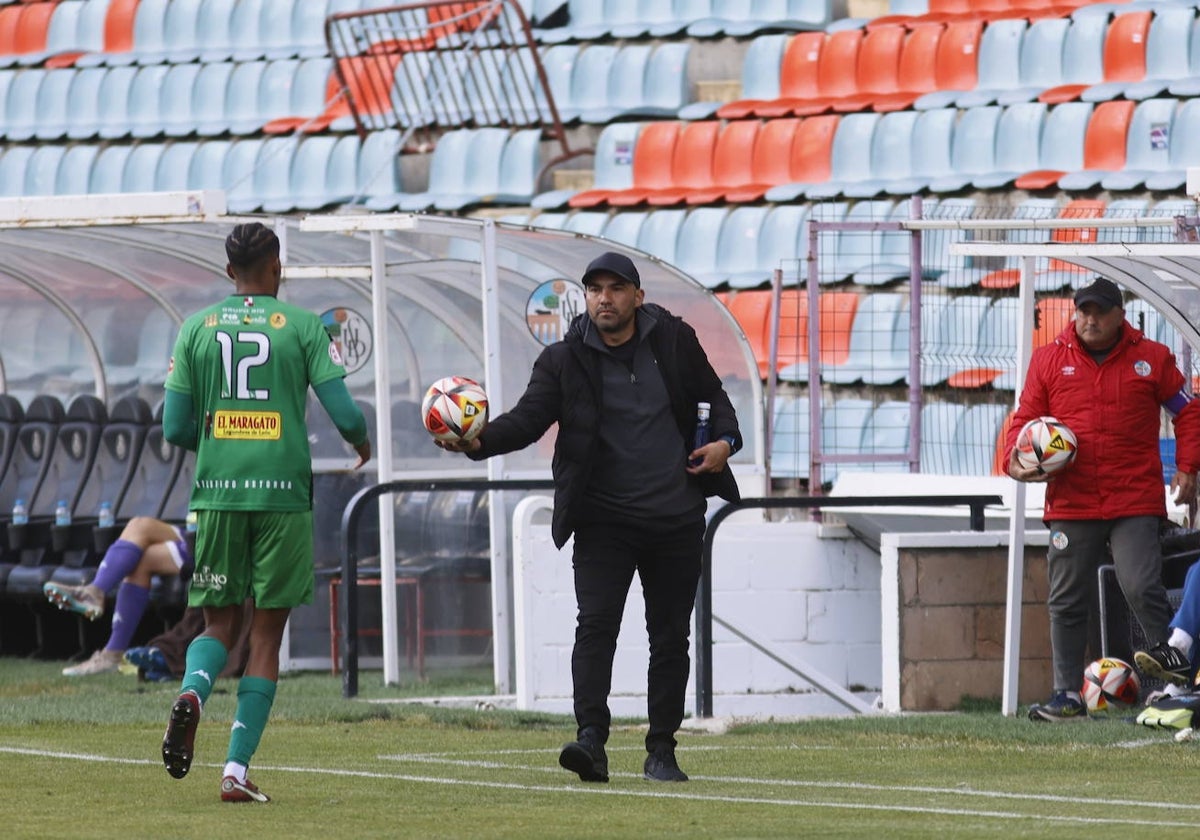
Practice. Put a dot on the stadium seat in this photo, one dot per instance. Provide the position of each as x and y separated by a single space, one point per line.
1061 147
20 106
957 68
1182 152
835 79
659 235
843 422
590 222
271 179
378 165
310 93
1082 60
82 112
950 333
737 247
113 102
1041 60
243 107
1000 50
691 168
1104 145
108 172
877 353
788 151
237 177
623 227
783 238
1018 133
974 442
737 18
613 164
41 175
174 116
141 168
973 148
1188 84
760 77
75 170
52 101
1124 56
342 177
752 310
665 90
588 89
796 73
837 311
623 85
850 161
1167 50
790 447
144 116
930 154
210 91
651 165
876 72
891 157
173 166
939 421
916 72
995 349
697 249
886 432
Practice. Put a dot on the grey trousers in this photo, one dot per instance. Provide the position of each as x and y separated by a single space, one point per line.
1078 547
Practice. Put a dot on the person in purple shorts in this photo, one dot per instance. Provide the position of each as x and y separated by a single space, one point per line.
145 548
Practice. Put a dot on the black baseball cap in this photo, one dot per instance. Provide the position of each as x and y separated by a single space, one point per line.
1103 292
619 265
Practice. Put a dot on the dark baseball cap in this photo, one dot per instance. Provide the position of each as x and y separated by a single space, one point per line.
1103 292
619 265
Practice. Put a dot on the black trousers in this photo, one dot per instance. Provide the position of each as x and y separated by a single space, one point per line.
668 563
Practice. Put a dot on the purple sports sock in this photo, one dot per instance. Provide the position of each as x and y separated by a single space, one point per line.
119 562
131 604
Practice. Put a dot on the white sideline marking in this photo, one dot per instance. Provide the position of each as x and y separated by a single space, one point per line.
596 790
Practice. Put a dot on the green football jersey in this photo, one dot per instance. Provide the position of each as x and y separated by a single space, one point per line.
247 363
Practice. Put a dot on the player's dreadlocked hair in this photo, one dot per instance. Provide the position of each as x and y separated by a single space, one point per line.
251 243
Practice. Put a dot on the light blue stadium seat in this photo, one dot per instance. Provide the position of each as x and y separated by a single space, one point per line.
851 161
75 170
950 341
559 63
589 81
890 250
241 161
659 235
891 156
932 140
242 106
213 22
623 90
174 166
939 422
272 175
108 171
590 222
648 15
737 248
1184 149
342 177
20 105
843 253
886 432
739 18
379 164
275 88
141 169
83 102
309 167
481 178
1189 83
177 37
245 29
665 89
760 75
783 239
878 342
1062 137
41 174
1147 150
998 341
842 425
972 150
790 446
207 170
113 102
623 227
1123 208
6 80
275 23
308 87
447 171
176 112
975 439
1000 50
519 167
830 269
1083 50
697 249
144 118
1018 146
209 94
1041 60
952 272
683 12
13 165
612 167
53 95
549 221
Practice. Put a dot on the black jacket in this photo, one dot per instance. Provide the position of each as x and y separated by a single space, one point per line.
565 387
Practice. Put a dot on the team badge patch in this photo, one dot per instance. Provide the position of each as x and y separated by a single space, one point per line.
1059 540
335 355
278 320
1141 367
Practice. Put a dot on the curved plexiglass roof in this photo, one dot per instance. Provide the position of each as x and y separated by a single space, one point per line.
95 309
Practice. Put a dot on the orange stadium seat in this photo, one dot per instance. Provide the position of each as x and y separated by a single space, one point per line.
10 21
751 309
1124 56
797 75
32 28
835 78
1053 315
652 158
878 67
118 26
731 166
917 71
769 160
691 167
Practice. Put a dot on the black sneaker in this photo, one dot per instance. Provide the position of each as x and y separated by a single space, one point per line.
1163 662
586 757
661 766
1062 706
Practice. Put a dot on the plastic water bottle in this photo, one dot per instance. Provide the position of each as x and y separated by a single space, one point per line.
105 517
703 431
62 513
20 514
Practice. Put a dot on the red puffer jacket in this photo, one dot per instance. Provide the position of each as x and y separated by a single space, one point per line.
1114 411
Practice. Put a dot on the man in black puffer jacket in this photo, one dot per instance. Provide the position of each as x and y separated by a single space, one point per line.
623 486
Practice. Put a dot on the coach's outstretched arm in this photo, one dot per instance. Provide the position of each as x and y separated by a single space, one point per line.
179 420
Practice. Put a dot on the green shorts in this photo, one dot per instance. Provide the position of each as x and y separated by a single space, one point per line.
264 554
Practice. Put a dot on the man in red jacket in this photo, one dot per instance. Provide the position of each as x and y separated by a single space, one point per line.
1108 383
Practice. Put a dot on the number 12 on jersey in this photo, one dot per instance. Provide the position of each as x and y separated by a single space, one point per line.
237 380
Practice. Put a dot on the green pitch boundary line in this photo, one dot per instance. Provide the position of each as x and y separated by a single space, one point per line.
578 789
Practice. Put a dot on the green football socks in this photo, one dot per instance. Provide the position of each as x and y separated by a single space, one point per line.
255 696
205 659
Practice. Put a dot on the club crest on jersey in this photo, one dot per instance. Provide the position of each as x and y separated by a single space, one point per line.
1141 367
247 301
335 355
278 320
1068 370
171 366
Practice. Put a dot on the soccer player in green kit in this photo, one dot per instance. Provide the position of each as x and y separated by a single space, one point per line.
236 392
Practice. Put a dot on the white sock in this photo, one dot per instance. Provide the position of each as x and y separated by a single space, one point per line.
238 771
1172 690
1181 640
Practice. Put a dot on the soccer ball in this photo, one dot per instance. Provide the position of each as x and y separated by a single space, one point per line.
454 408
1110 684
1047 444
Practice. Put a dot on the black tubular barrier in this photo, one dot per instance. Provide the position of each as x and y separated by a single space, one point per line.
704 636
350 522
